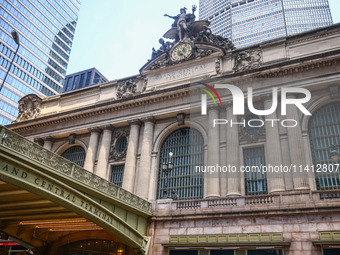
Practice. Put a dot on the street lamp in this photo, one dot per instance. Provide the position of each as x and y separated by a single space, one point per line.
15 36
335 155
167 168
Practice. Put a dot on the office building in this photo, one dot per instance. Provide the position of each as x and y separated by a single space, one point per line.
46 31
83 79
249 22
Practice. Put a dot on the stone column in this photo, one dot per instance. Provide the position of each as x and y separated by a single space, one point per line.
92 149
143 181
233 153
104 151
296 149
131 157
213 179
273 149
48 142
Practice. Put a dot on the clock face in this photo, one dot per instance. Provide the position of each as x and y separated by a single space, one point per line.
181 52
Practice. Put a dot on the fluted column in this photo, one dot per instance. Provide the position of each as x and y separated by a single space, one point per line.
213 179
48 142
296 150
92 149
131 157
273 149
104 151
233 153
143 180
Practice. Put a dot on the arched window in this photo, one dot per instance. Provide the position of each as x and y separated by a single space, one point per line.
76 154
187 147
324 132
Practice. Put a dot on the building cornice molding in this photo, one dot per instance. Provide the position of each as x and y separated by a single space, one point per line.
270 71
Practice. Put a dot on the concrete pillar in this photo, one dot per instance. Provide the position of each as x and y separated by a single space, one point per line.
233 153
296 149
131 157
48 142
143 181
104 152
92 149
213 179
275 180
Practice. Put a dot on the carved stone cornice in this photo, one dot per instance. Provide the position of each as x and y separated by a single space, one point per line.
86 112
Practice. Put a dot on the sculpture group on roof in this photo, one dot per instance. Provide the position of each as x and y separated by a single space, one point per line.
186 29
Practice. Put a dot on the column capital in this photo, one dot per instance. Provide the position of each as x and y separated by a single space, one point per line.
214 108
135 122
107 127
149 119
95 130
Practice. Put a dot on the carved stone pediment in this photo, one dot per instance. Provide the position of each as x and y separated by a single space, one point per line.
247 60
29 107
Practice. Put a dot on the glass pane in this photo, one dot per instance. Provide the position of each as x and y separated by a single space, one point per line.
76 154
117 173
256 181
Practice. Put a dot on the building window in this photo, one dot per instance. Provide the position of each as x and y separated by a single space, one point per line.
324 131
187 146
75 154
117 173
255 179
121 145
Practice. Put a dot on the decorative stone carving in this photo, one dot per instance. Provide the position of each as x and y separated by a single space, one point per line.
126 89
218 65
251 134
247 60
180 119
72 138
29 107
196 35
115 153
39 141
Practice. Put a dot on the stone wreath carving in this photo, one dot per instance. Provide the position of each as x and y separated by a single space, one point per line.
29 107
247 60
116 137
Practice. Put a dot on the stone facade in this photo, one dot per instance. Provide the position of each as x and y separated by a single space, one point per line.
159 101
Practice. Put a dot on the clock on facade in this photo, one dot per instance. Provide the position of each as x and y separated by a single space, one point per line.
181 51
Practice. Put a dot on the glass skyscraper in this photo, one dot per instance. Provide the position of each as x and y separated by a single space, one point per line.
46 30
248 22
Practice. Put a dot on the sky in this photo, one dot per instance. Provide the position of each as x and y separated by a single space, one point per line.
116 37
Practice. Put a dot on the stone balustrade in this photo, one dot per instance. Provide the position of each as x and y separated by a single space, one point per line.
287 199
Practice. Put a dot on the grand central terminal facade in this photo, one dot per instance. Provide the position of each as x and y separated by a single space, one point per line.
163 162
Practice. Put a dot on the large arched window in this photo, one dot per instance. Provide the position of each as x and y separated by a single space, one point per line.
324 132
187 146
76 154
